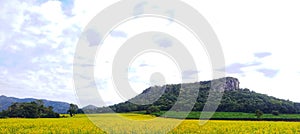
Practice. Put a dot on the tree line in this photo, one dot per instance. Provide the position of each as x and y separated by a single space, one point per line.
35 109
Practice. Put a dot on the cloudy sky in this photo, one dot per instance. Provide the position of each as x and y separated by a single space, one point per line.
38 39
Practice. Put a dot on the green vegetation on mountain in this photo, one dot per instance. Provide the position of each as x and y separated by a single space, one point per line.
234 99
223 115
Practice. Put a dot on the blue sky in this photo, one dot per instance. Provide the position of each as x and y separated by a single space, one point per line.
38 39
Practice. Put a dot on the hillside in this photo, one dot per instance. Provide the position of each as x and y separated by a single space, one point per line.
59 107
234 99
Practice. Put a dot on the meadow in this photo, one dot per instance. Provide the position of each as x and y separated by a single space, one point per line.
137 123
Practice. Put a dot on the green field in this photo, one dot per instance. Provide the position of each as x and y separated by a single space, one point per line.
139 124
216 115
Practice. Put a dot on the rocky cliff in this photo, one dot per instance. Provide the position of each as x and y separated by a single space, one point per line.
224 84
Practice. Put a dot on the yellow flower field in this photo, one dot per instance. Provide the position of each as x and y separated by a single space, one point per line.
136 124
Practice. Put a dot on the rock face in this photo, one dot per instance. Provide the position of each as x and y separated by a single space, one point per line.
226 84
232 83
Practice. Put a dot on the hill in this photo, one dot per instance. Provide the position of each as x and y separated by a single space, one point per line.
234 99
59 107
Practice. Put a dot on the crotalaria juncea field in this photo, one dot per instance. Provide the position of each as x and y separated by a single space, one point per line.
80 124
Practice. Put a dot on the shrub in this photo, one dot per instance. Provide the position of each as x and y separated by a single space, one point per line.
258 113
152 109
275 112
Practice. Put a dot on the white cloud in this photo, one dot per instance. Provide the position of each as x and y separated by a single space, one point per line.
247 27
38 40
36 52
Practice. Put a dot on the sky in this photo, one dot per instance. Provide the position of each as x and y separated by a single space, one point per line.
38 40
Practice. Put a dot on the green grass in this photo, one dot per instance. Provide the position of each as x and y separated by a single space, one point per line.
196 115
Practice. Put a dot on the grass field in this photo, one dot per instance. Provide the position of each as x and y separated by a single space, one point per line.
137 123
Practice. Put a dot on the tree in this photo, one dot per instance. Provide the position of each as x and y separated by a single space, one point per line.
276 113
3 114
41 107
258 113
48 113
152 109
72 110
80 111
15 110
29 110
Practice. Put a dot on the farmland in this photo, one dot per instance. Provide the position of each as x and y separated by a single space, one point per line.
137 123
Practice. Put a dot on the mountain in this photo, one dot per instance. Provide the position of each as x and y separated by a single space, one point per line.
235 99
59 107
89 107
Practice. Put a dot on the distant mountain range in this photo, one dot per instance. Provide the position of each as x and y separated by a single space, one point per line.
59 107
234 99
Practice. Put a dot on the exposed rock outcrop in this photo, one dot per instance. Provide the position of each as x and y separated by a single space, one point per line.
232 83
227 83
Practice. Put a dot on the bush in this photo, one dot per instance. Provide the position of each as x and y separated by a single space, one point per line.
3 114
152 109
276 113
258 113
